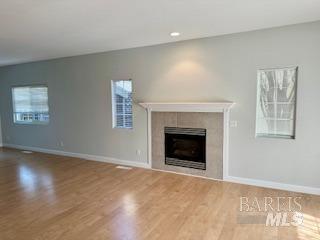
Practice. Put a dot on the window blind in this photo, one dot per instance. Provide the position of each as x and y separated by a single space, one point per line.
122 103
30 104
276 103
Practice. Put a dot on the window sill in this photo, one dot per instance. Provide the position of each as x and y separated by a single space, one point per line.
275 136
124 128
32 123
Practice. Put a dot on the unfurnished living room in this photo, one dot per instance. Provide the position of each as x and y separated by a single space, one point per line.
159 120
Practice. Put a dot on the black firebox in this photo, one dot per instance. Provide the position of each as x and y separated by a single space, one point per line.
185 147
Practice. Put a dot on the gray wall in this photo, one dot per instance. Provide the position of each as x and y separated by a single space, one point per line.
0 133
210 69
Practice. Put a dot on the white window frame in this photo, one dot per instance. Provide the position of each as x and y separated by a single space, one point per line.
114 115
258 134
28 115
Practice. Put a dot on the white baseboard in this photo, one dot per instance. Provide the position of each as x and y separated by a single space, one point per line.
240 180
80 155
274 185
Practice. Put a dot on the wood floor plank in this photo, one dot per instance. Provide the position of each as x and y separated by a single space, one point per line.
52 197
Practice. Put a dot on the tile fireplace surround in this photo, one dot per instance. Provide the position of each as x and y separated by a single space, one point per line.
214 117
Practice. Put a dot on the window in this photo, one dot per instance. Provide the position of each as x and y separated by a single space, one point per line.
30 104
122 103
276 103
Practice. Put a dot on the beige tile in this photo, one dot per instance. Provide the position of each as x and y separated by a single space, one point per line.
213 122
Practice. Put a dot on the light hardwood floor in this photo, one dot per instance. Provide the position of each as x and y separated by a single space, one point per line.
52 197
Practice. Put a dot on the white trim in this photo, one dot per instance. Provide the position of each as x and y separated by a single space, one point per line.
113 106
188 107
255 182
225 156
223 107
273 185
238 180
80 155
149 147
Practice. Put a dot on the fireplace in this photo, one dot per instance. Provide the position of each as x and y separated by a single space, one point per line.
185 147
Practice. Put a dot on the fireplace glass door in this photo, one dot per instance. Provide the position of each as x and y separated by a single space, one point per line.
185 147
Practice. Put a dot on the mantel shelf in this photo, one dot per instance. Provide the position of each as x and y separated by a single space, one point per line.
187 106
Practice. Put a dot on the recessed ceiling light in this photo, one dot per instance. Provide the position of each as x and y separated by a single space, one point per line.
174 34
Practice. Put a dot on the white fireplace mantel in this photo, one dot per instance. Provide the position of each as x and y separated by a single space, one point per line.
223 107
187 107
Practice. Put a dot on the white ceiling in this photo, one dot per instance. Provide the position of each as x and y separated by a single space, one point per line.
43 29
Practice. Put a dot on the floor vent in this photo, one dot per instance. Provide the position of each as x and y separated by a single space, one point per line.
124 167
